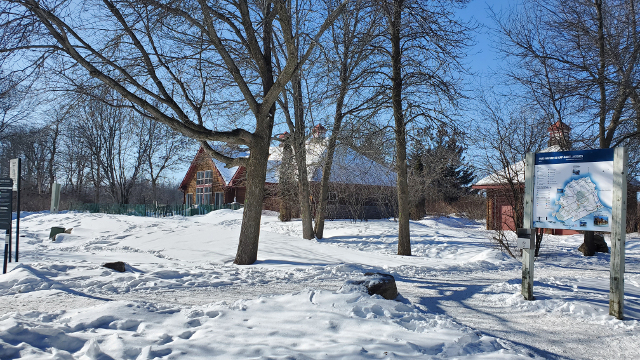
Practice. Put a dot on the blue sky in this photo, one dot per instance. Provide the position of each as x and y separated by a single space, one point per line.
483 57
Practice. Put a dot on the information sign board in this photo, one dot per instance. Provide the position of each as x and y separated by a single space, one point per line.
6 197
573 190
13 172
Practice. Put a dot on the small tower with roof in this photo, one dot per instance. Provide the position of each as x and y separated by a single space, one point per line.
559 135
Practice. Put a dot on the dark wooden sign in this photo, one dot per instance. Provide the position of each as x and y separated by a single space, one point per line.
6 197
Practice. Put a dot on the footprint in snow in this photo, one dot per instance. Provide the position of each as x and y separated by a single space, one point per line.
186 335
213 314
164 339
193 323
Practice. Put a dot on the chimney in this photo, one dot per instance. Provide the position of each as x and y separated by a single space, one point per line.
318 132
559 135
283 136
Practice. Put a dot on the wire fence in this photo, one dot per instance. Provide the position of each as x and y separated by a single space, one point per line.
151 210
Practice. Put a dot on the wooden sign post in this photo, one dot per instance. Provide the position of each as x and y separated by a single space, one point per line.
528 254
618 232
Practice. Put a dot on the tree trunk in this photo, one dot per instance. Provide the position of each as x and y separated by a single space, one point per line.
602 113
52 158
404 241
247 252
300 154
286 181
154 189
321 211
589 243
539 237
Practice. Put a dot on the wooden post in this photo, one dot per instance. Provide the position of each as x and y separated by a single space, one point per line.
618 232
528 254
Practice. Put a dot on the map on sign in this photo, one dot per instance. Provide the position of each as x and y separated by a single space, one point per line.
573 190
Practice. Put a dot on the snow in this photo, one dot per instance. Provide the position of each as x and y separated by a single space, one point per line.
348 167
183 298
514 171
226 173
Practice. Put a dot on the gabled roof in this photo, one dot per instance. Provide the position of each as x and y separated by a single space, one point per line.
190 171
225 174
351 167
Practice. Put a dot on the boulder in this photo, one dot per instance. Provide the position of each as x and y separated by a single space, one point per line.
598 243
378 283
117 266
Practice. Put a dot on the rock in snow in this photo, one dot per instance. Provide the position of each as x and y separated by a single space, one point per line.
377 284
599 244
117 266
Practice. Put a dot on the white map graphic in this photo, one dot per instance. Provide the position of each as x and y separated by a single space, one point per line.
573 190
580 199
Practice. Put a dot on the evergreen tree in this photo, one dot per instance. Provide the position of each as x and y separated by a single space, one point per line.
438 169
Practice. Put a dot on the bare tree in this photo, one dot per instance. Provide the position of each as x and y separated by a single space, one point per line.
350 87
509 134
74 161
119 144
584 53
425 42
295 145
581 58
230 42
166 149
32 143
12 96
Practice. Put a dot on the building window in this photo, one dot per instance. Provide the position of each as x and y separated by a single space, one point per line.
203 195
204 177
189 200
207 195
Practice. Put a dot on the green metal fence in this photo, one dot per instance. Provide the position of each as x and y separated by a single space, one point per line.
151 210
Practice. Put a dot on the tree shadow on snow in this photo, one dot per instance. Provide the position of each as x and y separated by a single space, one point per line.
441 291
597 297
288 262
43 275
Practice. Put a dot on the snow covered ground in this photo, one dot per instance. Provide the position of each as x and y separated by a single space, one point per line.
182 298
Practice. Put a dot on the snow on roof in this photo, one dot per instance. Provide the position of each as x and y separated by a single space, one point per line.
227 173
514 171
349 166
